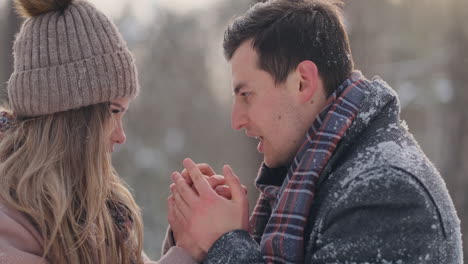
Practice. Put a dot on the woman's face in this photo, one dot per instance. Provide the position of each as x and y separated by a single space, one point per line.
118 108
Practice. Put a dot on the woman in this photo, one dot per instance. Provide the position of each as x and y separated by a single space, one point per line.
60 198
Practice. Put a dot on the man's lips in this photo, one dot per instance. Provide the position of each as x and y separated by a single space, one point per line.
259 138
254 136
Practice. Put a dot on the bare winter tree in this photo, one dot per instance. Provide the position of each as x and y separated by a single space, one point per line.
9 26
456 164
178 115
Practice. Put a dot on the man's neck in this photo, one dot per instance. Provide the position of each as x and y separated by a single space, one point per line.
272 176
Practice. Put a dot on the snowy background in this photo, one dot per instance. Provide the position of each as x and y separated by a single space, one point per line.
417 46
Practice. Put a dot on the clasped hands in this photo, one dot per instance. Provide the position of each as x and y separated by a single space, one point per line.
203 206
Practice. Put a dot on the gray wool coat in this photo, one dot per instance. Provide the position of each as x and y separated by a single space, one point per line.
379 199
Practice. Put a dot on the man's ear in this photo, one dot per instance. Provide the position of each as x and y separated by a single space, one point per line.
309 80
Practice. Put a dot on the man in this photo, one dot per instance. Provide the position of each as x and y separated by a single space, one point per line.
342 181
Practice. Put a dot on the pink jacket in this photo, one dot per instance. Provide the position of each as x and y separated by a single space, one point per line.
20 243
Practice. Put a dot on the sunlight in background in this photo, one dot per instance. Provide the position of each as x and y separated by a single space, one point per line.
144 9
396 2
184 6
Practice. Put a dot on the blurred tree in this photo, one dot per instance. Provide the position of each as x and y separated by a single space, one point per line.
9 26
178 115
456 163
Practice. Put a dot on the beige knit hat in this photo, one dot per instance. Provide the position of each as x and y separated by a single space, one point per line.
67 55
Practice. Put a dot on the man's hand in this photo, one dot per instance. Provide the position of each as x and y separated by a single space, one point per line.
178 227
181 236
216 181
205 214
205 170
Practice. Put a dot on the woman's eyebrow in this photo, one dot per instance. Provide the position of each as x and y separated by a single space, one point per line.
122 108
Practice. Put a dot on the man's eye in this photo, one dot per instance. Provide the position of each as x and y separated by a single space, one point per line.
245 94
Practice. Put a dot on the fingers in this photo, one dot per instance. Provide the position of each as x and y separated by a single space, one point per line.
213 180
245 189
175 218
181 206
186 177
184 191
199 181
170 210
237 192
204 168
200 173
225 191
216 180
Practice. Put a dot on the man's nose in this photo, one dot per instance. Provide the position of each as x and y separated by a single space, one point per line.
239 118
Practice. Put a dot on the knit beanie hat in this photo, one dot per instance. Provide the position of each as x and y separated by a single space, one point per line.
67 55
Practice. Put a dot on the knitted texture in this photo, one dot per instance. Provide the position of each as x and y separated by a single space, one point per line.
68 59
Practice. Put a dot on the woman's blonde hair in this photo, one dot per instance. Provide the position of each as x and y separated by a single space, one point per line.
56 169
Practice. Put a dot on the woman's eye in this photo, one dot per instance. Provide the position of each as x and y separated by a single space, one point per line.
115 111
245 94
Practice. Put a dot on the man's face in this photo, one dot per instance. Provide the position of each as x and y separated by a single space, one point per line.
267 111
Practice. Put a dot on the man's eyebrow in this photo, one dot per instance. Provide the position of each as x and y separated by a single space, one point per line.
122 108
238 87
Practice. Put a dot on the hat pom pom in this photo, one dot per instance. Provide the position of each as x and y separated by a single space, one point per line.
32 8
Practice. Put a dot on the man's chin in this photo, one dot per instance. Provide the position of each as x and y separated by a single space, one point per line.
270 163
275 163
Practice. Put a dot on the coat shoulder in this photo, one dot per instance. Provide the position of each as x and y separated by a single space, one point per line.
384 214
19 241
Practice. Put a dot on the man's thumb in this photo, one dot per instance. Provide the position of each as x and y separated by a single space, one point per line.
233 182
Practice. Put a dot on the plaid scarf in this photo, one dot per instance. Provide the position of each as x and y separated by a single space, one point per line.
280 215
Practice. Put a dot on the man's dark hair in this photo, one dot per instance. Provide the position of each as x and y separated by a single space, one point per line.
287 32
